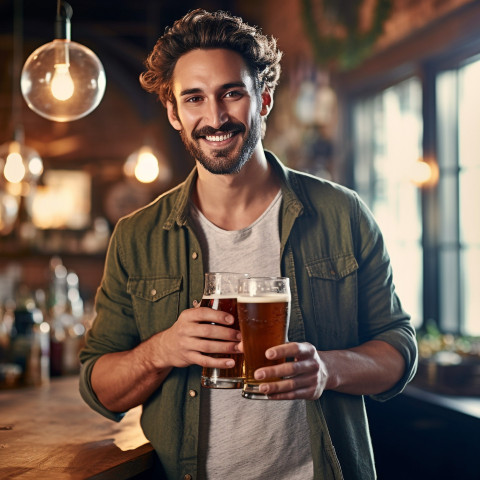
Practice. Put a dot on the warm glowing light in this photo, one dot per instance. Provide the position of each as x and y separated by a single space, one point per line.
424 173
35 166
62 86
51 209
147 165
14 170
62 201
146 169
44 327
21 163
63 81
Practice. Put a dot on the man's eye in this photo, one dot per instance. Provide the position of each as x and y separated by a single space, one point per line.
194 99
232 94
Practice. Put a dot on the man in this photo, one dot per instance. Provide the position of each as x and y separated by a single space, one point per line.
241 210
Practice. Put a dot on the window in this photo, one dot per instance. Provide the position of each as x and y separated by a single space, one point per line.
458 146
387 136
420 99
387 133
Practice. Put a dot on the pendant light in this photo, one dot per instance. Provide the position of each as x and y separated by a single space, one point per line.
63 80
147 165
19 163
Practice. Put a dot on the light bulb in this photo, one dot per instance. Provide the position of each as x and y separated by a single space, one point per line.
20 163
63 81
62 84
14 169
424 173
146 169
147 165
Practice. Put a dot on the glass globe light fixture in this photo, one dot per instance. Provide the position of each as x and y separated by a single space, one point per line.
19 163
63 80
145 166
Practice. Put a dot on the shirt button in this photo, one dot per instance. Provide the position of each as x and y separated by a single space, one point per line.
192 393
187 477
194 255
153 292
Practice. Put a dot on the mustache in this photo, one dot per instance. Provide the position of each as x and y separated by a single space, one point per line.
225 128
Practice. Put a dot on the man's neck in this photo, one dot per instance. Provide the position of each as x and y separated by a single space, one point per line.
235 201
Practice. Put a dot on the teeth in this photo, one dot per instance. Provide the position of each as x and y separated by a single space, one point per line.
219 138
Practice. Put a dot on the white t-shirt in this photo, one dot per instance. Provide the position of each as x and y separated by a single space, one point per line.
241 438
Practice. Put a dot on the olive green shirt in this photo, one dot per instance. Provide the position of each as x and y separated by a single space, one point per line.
342 296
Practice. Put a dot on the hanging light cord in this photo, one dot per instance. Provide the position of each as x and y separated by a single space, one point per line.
62 21
17 52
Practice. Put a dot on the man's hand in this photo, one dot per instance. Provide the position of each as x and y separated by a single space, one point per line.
123 380
197 333
368 369
303 378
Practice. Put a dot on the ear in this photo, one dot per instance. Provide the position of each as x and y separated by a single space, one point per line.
172 116
267 102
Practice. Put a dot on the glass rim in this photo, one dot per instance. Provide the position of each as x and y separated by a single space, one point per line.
228 273
267 278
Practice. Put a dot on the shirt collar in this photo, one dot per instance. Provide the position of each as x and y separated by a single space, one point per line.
180 209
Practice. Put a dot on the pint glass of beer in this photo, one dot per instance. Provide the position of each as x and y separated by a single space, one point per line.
263 306
220 293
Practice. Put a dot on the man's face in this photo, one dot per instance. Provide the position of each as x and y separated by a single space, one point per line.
217 109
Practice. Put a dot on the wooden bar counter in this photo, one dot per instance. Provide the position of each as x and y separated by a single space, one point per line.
48 432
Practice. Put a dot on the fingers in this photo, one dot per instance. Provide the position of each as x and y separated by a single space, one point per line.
201 322
301 378
199 336
204 314
211 362
304 386
295 350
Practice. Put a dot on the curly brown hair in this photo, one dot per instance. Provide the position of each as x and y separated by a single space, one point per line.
200 29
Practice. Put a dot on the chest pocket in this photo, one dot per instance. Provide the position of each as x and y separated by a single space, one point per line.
156 302
333 289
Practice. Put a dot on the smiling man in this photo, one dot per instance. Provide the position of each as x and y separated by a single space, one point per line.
241 210
230 110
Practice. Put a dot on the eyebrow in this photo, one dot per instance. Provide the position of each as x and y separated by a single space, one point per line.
226 86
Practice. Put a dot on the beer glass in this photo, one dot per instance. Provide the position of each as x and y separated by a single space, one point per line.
263 305
220 293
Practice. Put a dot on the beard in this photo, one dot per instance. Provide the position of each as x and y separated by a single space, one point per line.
227 160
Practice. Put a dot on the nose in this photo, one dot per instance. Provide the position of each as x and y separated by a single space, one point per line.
217 113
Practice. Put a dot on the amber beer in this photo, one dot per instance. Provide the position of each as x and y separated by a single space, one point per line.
263 313
224 377
220 293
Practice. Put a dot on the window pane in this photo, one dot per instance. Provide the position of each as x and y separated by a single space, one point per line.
447 119
363 147
469 115
471 295
449 285
387 139
469 207
448 193
458 110
469 187
448 241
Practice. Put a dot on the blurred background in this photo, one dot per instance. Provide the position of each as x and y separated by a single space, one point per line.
379 95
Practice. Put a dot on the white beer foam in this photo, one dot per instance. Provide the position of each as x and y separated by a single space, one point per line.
266 298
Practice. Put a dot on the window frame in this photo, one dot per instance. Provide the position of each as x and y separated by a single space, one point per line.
446 44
